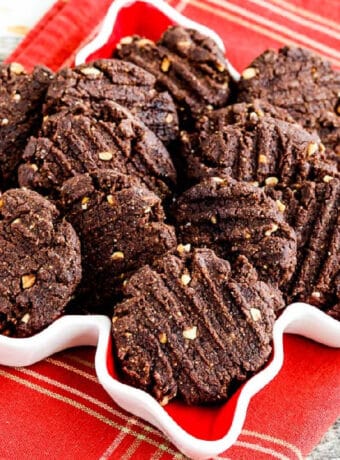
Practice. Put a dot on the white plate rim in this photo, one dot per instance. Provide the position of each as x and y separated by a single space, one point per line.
70 331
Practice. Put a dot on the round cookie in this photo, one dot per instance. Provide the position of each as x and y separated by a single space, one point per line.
21 98
87 88
121 227
301 82
75 144
186 63
312 209
40 264
256 148
236 218
194 326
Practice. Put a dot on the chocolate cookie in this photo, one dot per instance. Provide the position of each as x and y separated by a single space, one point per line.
312 209
21 98
335 310
121 227
75 144
237 218
256 148
301 82
87 88
186 63
40 264
194 327
243 112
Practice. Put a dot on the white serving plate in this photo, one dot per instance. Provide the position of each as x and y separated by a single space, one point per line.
71 331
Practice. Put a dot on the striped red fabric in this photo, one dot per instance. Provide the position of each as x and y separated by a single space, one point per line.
56 408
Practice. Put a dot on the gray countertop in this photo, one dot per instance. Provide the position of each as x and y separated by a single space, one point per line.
329 446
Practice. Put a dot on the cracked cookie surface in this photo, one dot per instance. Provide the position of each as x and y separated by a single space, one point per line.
186 63
236 218
40 264
21 99
252 145
75 144
89 88
301 82
312 209
121 227
194 326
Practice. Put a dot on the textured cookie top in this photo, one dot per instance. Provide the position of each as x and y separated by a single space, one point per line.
194 326
312 209
21 98
121 227
86 90
243 112
75 144
236 218
40 263
256 148
302 83
186 63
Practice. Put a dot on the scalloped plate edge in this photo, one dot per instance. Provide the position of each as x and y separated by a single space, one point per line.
177 18
71 331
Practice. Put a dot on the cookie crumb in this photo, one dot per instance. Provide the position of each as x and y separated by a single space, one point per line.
271 181
190 333
118 255
249 73
312 149
273 229
17 68
163 338
165 65
84 202
105 156
255 314
327 178
263 159
28 281
280 206
25 318
185 279
90 71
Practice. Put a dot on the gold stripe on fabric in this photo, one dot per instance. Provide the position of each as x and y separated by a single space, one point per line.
295 18
33 386
308 14
299 37
259 448
251 26
281 442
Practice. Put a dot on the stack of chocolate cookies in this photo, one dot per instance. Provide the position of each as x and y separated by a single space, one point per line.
190 208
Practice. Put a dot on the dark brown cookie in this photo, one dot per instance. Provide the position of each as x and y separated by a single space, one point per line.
86 89
186 63
312 209
40 264
256 148
21 98
243 112
75 144
335 310
237 218
301 82
121 227
194 327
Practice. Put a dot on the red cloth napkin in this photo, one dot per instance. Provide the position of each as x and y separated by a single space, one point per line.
56 408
